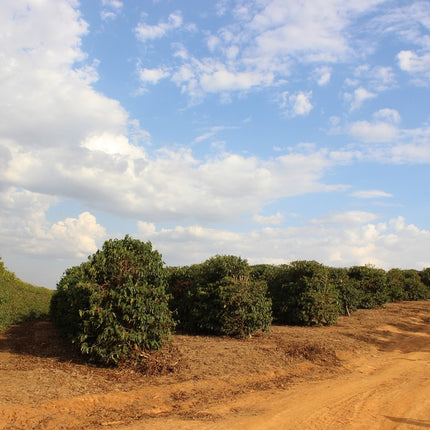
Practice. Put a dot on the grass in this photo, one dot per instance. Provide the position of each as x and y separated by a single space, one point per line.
20 301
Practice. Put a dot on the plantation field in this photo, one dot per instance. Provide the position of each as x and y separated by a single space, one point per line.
371 370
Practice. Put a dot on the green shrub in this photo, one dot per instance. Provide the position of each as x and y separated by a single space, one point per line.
425 277
115 306
303 293
395 280
371 285
217 297
20 301
348 290
406 285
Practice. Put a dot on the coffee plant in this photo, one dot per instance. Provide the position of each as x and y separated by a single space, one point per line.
115 306
218 297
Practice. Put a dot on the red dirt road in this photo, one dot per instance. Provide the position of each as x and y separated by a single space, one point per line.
370 371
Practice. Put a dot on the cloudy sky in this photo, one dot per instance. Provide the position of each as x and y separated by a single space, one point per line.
275 130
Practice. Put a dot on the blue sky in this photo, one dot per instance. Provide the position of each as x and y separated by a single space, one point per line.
275 130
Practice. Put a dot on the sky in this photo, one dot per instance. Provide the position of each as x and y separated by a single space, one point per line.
274 130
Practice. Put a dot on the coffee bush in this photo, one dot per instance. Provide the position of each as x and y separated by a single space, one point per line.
303 293
218 297
115 306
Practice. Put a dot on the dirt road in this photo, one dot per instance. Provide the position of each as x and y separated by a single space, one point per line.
370 371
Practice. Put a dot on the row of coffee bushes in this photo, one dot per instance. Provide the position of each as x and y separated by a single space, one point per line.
123 301
309 293
20 301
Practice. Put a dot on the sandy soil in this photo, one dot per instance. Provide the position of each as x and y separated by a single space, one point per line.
370 371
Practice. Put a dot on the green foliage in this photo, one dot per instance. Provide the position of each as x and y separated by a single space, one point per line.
20 301
406 285
217 297
425 277
303 293
371 285
348 289
115 306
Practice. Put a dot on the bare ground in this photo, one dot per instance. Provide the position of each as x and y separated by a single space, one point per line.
369 371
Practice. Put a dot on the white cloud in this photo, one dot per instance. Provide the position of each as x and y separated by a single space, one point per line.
340 239
312 30
113 145
377 78
110 9
390 115
323 75
45 83
220 79
371 194
153 76
389 143
109 173
374 132
146 32
264 42
114 4
25 228
209 134
408 153
276 219
409 22
409 61
79 236
417 65
298 104
358 97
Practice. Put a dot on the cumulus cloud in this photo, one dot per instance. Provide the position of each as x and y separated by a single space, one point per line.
417 65
25 228
409 61
338 239
298 104
45 81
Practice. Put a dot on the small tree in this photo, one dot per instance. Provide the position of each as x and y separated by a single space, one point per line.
115 305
